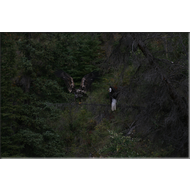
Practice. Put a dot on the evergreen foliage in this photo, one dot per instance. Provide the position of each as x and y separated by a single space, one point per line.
28 84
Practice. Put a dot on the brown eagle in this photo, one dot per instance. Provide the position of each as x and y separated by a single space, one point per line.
84 86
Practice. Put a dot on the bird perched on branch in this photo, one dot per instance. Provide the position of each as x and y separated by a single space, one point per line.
113 97
84 86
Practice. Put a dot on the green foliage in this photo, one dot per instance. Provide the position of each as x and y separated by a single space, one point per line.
77 54
26 112
118 146
46 144
74 128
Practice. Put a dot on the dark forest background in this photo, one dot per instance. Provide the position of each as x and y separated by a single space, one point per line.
39 118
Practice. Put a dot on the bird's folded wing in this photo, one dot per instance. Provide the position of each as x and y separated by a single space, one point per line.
67 79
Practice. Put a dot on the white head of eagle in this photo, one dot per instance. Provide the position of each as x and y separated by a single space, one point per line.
113 97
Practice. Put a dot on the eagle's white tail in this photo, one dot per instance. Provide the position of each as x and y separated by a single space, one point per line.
113 104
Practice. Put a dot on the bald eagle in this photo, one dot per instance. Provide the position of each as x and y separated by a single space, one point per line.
113 97
84 86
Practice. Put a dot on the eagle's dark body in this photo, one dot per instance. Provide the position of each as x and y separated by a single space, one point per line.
84 86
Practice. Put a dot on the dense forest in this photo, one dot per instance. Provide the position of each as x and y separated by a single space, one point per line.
40 118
